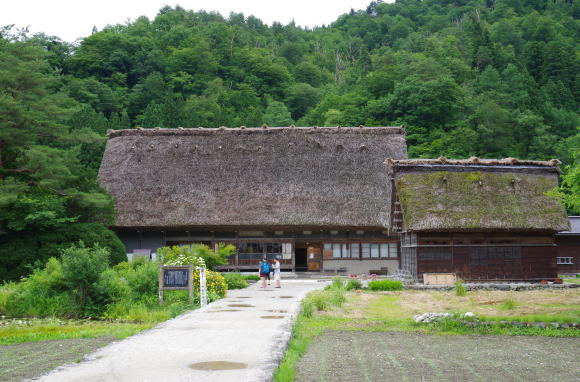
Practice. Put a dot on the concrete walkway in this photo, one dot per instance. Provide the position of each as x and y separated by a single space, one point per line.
250 327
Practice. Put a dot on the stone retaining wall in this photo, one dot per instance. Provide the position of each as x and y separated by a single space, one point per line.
494 286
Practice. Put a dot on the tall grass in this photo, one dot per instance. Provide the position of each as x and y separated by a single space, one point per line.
460 289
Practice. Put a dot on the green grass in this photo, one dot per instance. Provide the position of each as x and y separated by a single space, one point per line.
572 280
52 329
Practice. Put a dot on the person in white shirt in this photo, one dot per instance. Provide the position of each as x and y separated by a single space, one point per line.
277 273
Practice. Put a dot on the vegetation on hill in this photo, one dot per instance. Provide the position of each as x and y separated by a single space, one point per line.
493 78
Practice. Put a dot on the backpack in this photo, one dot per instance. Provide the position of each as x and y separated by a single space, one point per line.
265 267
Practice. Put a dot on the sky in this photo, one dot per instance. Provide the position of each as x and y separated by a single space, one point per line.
71 19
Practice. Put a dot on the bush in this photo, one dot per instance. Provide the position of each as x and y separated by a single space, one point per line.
252 277
377 285
22 252
81 272
215 283
185 255
460 288
353 284
235 280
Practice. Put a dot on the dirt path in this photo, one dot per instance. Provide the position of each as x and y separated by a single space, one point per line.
365 356
27 360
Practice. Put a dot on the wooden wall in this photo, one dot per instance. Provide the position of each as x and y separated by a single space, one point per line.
481 256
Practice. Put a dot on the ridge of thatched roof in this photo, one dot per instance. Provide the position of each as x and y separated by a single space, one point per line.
498 164
465 196
291 176
243 130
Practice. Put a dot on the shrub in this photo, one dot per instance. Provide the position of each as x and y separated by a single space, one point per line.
215 283
377 285
235 280
353 284
252 277
81 271
198 255
460 288
22 252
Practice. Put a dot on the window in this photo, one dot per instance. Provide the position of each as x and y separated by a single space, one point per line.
355 250
251 251
345 251
384 250
393 250
366 250
374 250
336 251
564 260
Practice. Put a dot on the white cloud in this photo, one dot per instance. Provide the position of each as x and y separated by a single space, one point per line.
70 19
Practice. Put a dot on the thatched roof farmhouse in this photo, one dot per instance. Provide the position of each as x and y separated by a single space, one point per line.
254 177
322 199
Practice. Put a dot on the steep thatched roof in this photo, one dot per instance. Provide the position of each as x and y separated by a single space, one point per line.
251 176
478 195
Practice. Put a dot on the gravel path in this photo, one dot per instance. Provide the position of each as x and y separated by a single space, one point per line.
365 356
239 338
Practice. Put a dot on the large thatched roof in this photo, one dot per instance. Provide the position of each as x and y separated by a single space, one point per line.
252 177
478 195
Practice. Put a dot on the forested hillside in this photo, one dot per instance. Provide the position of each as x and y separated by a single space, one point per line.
491 78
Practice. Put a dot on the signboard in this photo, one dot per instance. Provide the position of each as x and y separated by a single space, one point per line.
202 287
175 277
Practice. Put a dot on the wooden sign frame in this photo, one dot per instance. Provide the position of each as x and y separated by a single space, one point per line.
162 287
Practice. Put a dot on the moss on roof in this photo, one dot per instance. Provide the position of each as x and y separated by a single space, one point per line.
479 201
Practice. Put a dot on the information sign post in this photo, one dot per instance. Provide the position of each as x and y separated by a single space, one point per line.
202 287
175 277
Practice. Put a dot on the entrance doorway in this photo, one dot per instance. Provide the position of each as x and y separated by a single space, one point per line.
301 259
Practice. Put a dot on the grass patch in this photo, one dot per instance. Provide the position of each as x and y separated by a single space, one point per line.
508 304
19 331
377 285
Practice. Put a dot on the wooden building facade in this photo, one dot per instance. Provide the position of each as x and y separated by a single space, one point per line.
478 219
569 248
316 198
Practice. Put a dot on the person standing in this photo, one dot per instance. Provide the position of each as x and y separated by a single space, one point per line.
277 272
264 272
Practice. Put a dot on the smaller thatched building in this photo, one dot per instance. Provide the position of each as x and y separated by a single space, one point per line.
478 219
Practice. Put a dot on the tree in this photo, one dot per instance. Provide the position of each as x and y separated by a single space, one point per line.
277 115
300 98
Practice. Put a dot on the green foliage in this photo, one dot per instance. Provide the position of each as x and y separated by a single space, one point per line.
21 252
508 304
390 285
81 271
235 280
252 277
460 288
196 254
353 284
337 283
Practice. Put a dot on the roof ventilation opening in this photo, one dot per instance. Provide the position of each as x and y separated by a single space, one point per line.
363 147
339 147
264 126
361 126
242 127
